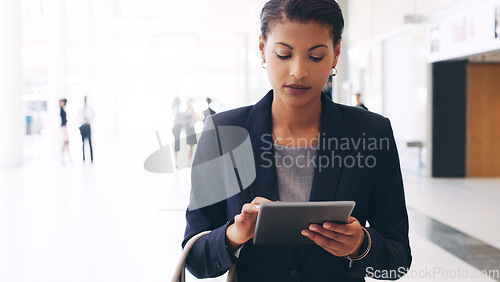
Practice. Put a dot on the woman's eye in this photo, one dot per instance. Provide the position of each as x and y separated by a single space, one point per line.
284 57
316 59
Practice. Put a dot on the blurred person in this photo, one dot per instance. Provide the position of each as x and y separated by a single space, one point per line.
64 130
189 119
359 102
178 125
85 118
300 45
209 111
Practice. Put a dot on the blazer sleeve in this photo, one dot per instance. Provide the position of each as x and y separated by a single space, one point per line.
388 218
209 256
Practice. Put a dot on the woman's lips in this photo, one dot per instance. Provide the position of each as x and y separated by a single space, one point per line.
296 88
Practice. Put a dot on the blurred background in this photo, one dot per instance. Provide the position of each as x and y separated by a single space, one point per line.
431 66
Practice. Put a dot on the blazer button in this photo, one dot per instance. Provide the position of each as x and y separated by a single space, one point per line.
294 275
218 264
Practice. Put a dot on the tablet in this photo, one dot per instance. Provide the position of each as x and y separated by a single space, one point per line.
281 223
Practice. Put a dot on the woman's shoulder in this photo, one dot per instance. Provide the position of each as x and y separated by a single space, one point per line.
362 119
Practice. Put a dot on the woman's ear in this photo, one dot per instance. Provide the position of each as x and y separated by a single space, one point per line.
262 47
336 53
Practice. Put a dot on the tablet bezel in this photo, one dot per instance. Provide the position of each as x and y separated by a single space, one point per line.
281 223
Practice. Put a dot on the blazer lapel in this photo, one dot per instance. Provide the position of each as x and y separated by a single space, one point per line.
258 124
327 173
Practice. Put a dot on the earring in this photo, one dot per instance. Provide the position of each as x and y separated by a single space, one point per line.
333 73
263 64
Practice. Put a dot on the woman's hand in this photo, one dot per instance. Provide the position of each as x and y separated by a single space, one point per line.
337 238
243 228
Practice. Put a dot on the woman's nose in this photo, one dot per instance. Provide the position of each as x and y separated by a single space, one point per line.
298 69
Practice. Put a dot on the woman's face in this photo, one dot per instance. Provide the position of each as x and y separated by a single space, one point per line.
299 58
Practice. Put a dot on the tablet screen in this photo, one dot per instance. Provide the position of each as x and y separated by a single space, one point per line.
281 223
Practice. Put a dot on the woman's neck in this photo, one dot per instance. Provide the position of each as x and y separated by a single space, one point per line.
296 127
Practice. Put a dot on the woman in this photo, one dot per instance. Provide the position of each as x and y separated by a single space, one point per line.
355 158
190 118
64 131
176 130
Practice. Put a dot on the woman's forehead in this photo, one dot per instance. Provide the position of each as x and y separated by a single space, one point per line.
294 32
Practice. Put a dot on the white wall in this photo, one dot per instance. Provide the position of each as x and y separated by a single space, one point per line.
388 60
11 121
404 80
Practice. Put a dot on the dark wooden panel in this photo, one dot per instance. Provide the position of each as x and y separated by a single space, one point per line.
483 120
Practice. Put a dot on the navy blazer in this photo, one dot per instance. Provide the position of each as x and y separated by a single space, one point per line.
368 173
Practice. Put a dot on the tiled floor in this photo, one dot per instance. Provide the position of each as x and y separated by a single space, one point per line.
114 221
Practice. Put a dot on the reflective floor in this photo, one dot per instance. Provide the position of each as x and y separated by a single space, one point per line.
114 221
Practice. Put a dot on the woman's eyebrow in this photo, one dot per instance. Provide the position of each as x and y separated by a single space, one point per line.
310 49
314 47
284 44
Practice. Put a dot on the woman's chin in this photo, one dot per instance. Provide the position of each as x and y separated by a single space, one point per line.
301 102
